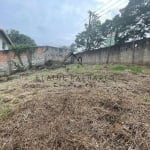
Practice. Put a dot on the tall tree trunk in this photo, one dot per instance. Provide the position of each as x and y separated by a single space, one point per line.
29 57
20 60
9 63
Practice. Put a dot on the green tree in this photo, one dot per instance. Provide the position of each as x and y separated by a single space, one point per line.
18 38
134 21
92 37
22 43
73 47
20 49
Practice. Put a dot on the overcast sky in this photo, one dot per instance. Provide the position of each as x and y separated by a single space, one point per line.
54 22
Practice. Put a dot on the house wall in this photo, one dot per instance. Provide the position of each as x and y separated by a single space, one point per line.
2 39
129 53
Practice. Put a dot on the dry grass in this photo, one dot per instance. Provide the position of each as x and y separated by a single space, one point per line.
112 113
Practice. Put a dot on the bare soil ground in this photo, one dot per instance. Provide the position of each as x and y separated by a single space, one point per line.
107 111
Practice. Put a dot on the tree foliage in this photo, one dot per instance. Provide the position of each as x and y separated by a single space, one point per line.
133 23
92 37
20 39
73 47
22 48
22 44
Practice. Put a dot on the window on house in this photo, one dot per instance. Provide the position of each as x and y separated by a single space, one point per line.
3 45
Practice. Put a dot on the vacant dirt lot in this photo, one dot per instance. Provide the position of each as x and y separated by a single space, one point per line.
85 108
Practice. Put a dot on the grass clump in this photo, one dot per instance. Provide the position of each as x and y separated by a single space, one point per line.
4 112
97 67
135 69
77 68
118 68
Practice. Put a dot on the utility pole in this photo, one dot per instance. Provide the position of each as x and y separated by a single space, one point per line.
134 39
133 54
110 42
89 31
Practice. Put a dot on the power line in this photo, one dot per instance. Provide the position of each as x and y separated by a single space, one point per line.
88 46
106 7
105 11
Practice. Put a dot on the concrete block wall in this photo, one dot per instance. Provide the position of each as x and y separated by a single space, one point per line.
128 53
38 57
44 54
146 56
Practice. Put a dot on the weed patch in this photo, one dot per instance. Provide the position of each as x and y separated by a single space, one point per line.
4 112
135 69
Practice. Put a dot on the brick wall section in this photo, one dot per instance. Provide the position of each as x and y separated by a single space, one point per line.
124 54
3 63
39 57
3 56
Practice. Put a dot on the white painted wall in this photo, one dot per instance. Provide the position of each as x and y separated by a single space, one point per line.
2 39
